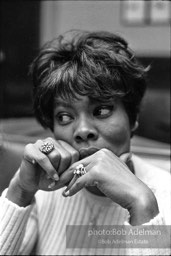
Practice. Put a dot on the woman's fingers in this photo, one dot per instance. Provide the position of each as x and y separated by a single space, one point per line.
33 153
66 177
80 179
93 164
44 169
75 185
74 154
62 156
74 179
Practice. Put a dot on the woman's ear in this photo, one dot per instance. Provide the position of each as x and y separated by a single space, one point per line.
135 126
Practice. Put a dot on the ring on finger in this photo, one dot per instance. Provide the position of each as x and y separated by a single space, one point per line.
46 147
80 170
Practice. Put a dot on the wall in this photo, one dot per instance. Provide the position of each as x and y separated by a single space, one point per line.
19 33
60 16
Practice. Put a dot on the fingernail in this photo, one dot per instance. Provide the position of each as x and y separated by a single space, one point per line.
66 193
55 176
51 185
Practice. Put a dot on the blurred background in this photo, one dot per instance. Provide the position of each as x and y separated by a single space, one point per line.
26 25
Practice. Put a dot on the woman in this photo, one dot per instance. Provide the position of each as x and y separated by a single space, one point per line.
87 90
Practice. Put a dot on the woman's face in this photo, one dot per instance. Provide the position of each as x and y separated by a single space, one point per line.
89 125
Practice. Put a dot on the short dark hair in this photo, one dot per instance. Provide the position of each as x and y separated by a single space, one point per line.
96 64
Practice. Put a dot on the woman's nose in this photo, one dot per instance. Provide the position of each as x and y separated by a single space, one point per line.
85 131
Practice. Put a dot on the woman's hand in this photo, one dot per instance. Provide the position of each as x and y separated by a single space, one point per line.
41 171
112 177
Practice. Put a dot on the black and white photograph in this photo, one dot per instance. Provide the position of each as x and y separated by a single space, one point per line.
85 127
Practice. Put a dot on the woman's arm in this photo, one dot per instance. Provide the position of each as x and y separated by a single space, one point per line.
41 171
37 171
113 178
13 222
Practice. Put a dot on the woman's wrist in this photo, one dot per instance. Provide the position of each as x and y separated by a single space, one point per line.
19 195
143 209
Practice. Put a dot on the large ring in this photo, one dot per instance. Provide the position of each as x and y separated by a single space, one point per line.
46 147
80 170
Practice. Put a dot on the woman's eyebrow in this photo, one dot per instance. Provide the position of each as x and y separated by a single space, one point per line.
101 101
62 103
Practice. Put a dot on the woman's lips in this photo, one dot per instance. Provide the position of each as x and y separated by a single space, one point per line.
85 152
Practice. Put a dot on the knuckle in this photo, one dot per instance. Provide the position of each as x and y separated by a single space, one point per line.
39 142
27 148
102 153
105 150
49 139
61 143
100 157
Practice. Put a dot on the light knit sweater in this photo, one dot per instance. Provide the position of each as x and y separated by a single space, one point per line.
41 227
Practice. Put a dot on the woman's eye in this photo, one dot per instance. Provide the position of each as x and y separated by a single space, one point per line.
103 111
64 118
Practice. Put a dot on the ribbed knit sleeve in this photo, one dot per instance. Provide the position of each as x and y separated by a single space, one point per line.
158 220
13 220
162 240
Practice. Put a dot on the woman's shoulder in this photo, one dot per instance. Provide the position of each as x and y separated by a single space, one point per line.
151 174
